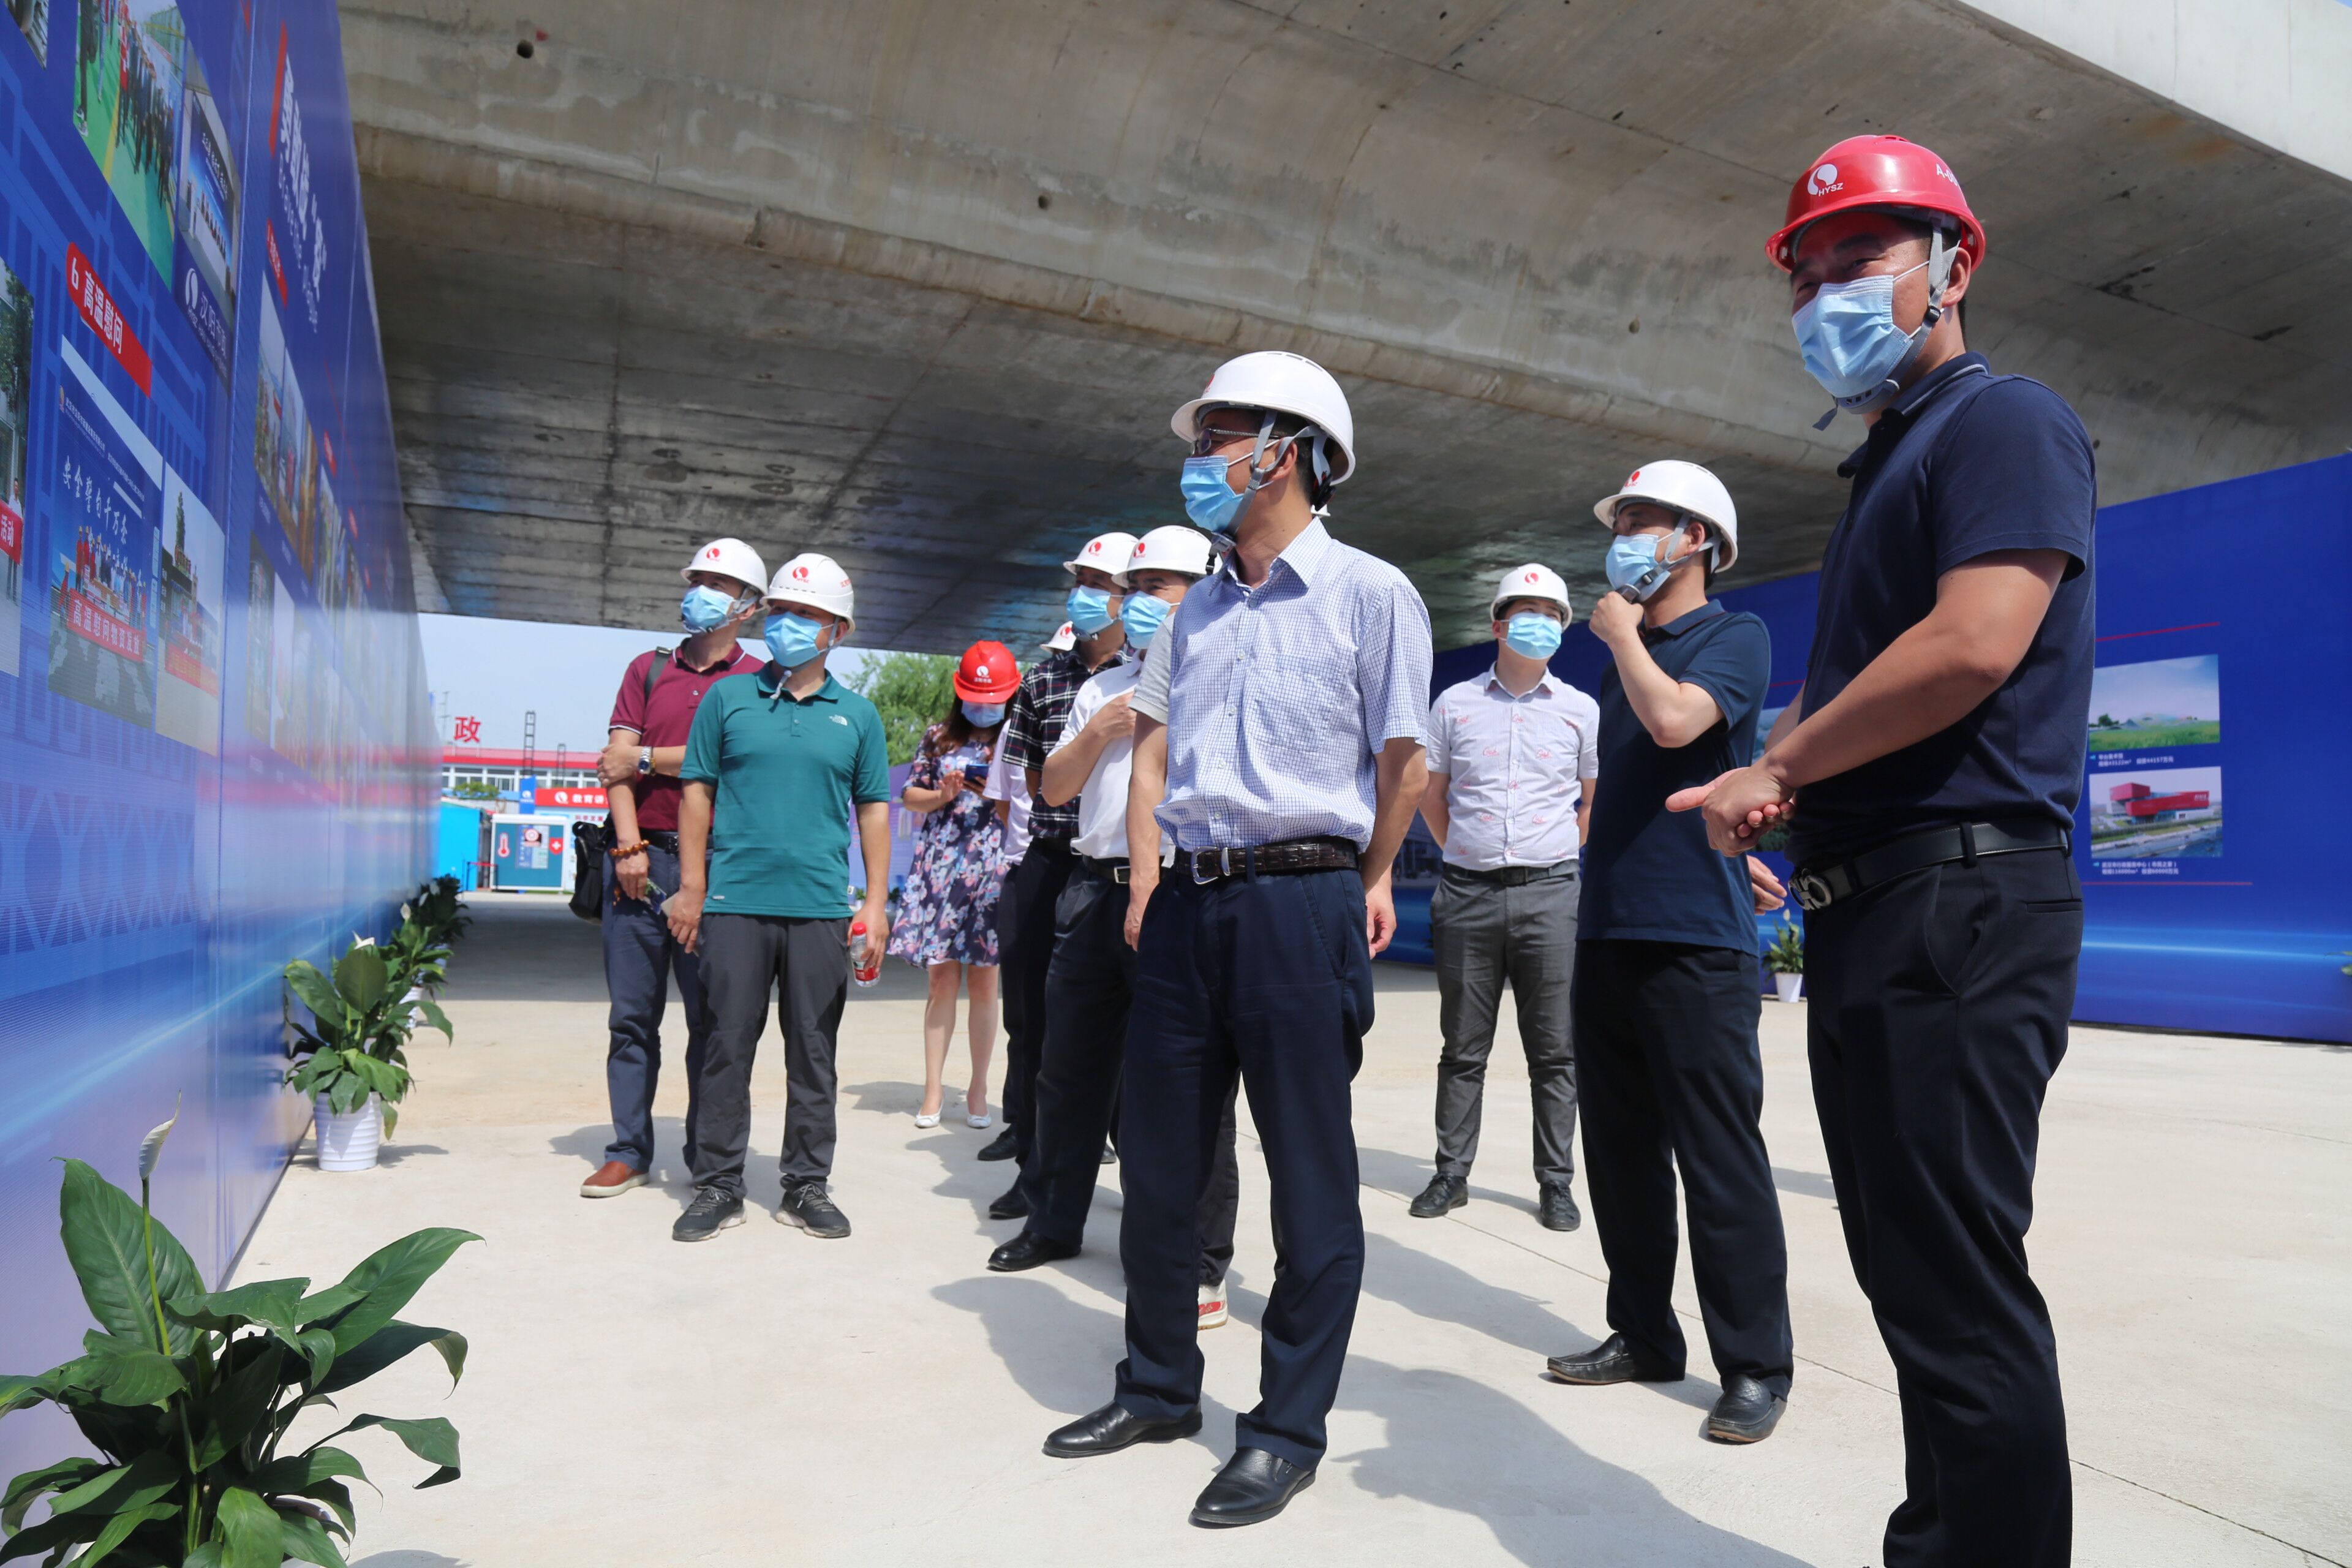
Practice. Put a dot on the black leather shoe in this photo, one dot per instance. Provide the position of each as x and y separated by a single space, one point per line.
1555 1209
1113 1427
1253 1486
1443 1194
1003 1146
1010 1205
1747 1413
1611 1361
1027 1251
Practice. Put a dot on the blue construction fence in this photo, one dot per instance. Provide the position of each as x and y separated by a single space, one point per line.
2224 649
219 753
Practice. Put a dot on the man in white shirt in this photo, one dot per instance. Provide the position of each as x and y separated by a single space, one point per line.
1513 754
1091 980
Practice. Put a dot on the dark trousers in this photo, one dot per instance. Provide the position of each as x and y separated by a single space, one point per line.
1939 1009
1673 1081
1024 950
640 957
1269 978
1087 993
804 964
1489 937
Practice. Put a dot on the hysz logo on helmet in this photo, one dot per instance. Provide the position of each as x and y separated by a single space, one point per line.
1824 179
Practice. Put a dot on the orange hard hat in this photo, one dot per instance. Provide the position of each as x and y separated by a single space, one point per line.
988 673
1881 174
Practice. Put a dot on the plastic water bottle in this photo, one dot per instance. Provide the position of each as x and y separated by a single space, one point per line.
865 964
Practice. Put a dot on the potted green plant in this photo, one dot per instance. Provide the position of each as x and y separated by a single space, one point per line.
353 1060
1786 959
189 1395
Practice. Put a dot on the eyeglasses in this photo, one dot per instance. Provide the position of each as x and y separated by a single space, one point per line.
1206 443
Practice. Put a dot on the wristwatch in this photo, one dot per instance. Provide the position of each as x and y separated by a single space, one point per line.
645 759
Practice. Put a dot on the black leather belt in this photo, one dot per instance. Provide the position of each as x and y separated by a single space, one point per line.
1288 857
1818 887
1052 845
1513 876
661 839
1109 870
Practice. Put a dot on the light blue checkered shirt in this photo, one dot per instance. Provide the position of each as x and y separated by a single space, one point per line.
1280 695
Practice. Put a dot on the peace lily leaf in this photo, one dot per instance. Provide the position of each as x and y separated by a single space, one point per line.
269 1303
17 1391
22 1491
151 1147
316 992
433 1440
120 1529
249 1533
135 1377
389 1278
389 1344
305 1540
106 1240
435 1016
143 1480
360 976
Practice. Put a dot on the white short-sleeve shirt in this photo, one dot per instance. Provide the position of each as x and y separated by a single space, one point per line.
1514 769
1010 785
1102 800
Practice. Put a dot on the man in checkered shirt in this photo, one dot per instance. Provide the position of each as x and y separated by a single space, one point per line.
1024 914
1282 749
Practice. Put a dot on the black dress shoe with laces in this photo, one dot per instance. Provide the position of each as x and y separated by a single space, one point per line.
1555 1209
1443 1194
808 1205
1010 1204
710 1213
1254 1485
1028 1250
1113 1427
1003 1146
1611 1361
1747 1413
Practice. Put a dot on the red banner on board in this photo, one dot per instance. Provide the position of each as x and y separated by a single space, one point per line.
572 796
12 533
97 306
107 630
188 665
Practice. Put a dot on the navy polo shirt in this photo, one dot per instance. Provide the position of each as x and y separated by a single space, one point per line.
1963 464
1649 873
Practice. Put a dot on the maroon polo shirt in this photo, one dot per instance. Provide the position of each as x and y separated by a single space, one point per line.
664 718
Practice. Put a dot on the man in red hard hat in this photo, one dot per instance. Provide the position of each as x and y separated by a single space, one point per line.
1929 770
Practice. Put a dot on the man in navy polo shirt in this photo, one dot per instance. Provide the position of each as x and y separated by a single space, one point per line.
1667 989
1931 765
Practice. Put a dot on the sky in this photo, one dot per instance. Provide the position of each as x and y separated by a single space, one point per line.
495 670
2183 688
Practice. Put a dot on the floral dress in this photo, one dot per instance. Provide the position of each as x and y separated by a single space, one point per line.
947 912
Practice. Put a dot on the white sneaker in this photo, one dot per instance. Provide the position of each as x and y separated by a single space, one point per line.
1212 1307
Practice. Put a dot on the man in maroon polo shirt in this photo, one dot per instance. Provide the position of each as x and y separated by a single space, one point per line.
652 714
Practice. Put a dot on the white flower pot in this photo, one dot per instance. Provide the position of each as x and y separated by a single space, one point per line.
1791 986
348 1141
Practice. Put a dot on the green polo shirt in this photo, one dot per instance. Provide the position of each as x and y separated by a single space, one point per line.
787 773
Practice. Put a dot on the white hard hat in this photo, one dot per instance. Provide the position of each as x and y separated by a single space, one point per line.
1063 640
812 579
1685 488
1174 548
1103 552
728 558
1288 383
1532 581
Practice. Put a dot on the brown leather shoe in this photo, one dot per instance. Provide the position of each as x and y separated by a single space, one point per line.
612 1179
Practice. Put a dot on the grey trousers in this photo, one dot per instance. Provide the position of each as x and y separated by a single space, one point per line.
1488 936
805 965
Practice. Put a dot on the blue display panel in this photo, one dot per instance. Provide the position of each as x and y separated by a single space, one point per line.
2214 663
219 752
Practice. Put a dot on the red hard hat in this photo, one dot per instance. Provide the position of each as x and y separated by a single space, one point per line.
1875 171
988 673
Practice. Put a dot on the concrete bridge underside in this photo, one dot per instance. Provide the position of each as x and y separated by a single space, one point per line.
917 283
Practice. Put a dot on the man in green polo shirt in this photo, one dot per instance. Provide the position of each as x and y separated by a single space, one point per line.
775 761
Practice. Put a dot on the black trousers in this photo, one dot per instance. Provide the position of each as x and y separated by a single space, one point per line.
1269 978
1940 1002
1024 949
1087 995
1672 1080
804 964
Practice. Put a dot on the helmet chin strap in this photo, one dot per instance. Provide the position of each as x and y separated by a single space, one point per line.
1939 278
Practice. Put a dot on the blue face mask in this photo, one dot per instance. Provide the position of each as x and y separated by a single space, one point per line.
1089 610
984 715
792 639
1638 565
1532 634
704 608
1209 500
1847 334
1145 615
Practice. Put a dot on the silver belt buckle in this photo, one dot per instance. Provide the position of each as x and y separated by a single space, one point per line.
1223 866
1812 892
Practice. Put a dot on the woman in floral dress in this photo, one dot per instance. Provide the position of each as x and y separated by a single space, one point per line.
947 912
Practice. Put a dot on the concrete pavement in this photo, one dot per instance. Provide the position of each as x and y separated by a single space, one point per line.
766 1397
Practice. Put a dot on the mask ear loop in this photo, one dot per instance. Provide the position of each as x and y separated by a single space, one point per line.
1940 277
